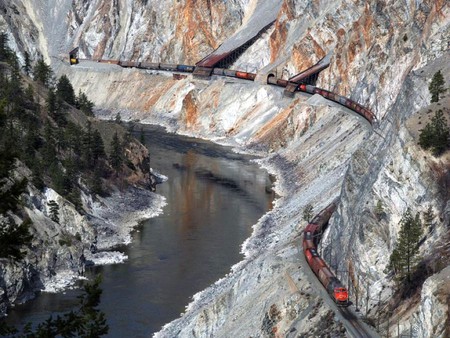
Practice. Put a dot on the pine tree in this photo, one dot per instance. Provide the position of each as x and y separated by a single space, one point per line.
307 212
48 150
96 183
55 110
43 73
116 153
436 86
13 238
404 258
54 211
441 134
87 146
27 64
4 49
64 90
83 103
98 148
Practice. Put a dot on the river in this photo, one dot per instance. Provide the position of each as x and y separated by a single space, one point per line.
213 198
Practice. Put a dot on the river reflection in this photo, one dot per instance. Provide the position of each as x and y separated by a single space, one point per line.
213 198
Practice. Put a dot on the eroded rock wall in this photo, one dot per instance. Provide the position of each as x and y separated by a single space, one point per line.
381 53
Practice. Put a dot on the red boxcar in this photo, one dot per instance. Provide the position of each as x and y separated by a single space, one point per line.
325 275
282 83
318 264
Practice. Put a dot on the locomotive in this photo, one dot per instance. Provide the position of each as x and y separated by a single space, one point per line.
311 238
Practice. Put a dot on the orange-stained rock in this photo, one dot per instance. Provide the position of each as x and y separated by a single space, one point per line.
190 110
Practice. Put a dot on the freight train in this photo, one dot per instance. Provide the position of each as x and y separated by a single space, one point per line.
311 238
271 79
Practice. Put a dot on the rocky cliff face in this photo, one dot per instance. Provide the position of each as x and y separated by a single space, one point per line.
385 53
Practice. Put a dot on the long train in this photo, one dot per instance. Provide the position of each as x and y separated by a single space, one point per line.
271 79
311 238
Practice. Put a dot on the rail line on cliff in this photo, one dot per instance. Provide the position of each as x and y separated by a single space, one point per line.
271 79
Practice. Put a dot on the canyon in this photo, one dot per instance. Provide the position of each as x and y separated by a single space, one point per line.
384 55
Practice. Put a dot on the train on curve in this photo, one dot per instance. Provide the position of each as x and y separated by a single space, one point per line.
342 100
311 238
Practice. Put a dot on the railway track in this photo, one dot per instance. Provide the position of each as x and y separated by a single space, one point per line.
271 79
356 328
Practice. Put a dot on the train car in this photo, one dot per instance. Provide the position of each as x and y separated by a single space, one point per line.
325 275
302 87
312 228
128 64
167 66
242 75
229 72
251 76
338 292
310 254
310 89
185 68
282 83
317 264
73 56
341 99
149 65
218 71
111 62
308 243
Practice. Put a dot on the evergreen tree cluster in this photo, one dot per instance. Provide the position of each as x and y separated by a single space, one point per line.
436 134
13 237
61 153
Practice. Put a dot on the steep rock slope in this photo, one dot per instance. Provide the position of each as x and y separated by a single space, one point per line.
381 54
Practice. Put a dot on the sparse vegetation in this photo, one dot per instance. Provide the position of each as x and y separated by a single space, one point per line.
379 210
435 136
436 86
54 211
307 212
428 217
404 258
